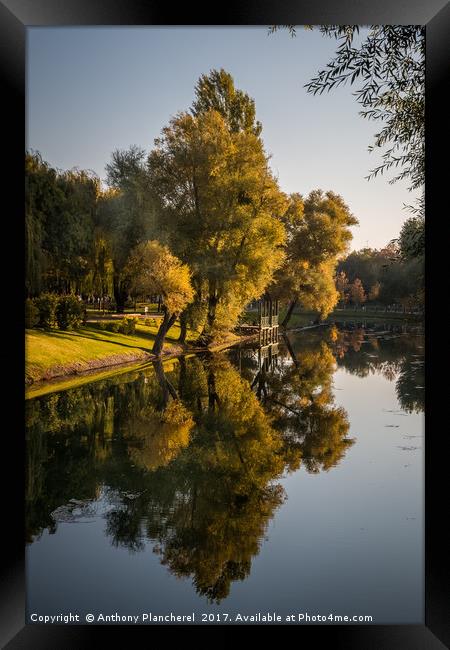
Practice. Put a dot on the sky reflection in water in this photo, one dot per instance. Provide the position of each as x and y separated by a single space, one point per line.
224 483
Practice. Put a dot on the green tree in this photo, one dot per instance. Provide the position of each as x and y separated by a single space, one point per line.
219 209
317 233
216 91
402 282
100 281
70 232
342 285
60 215
153 269
392 276
42 197
412 238
366 264
127 212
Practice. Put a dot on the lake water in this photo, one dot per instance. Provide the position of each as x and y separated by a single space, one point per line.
287 480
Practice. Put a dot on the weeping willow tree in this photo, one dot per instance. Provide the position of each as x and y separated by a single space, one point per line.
60 218
99 281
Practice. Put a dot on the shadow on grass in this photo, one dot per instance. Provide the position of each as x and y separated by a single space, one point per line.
108 337
69 336
138 335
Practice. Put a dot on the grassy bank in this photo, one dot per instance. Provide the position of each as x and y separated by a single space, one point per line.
53 353
57 360
65 358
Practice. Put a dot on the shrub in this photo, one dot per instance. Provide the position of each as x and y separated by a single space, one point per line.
100 325
150 322
128 325
46 305
104 326
69 312
31 314
125 326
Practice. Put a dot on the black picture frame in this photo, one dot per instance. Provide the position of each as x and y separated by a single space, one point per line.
15 17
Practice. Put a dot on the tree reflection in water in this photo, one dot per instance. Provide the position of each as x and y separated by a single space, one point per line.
389 352
189 455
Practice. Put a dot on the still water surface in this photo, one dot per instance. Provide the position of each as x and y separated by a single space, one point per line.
231 483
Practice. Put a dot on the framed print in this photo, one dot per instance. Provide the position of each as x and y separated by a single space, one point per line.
228 301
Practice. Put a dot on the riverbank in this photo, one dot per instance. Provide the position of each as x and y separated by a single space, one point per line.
54 353
302 319
360 315
58 359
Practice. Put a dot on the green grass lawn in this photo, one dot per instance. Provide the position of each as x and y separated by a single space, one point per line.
46 350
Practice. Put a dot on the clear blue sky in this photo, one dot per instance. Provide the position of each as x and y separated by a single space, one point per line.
91 90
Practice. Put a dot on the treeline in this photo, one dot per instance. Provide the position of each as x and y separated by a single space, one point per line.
393 275
201 222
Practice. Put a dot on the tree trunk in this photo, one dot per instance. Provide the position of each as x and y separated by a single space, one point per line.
182 377
213 398
290 350
183 327
261 385
120 295
287 318
165 326
206 335
166 387
159 372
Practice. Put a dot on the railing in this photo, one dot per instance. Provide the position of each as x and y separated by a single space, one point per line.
269 350
269 321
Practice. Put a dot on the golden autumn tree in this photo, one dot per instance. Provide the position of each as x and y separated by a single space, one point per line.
357 292
317 234
219 207
153 269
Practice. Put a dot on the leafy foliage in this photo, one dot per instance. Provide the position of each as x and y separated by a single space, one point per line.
386 276
412 238
388 62
152 269
126 325
46 304
31 313
357 292
69 312
60 212
317 233
217 92
219 207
